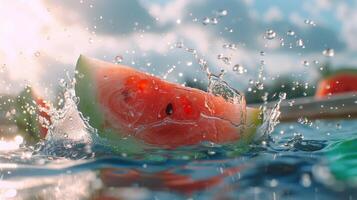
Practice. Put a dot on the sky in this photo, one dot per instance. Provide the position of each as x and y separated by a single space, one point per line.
40 40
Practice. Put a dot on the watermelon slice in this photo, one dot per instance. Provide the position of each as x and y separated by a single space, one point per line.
341 81
27 112
133 107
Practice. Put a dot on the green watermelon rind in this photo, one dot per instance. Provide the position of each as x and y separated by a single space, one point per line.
85 90
89 107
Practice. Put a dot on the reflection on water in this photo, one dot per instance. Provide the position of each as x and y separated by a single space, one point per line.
289 168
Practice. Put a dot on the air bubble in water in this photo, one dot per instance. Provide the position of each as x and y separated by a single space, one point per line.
328 52
118 59
270 34
206 21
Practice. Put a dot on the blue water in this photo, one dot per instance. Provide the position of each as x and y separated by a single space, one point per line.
289 167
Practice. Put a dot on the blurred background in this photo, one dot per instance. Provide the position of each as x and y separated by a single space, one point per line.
264 46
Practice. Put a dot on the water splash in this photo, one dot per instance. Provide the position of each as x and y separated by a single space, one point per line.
270 120
69 133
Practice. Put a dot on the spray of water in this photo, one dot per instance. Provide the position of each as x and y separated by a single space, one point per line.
217 86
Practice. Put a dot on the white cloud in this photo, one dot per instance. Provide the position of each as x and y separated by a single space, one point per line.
296 19
169 12
348 16
59 41
273 14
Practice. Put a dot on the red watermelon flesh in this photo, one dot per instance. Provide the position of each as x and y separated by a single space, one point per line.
337 84
133 103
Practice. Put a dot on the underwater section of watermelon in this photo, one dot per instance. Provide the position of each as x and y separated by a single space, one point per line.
91 92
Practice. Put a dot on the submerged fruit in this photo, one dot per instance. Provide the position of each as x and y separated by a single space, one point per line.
122 102
339 82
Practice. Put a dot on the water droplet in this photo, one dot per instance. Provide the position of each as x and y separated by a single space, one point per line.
309 22
214 21
226 60
259 85
190 50
206 21
37 54
328 52
238 68
2 68
189 63
282 95
291 102
68 146
306 63
222 12
299 43
179 45
230 46
180 74
270 34
62 82
118 59
90 40
290 33
262 53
